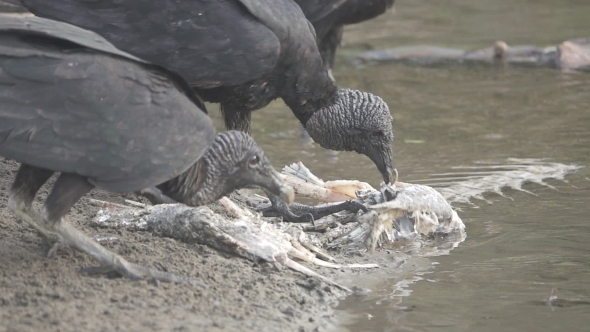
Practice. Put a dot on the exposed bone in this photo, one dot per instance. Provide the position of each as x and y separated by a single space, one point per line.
106 205
106 239
134 203
23 14
370 233
347 187
298 170
308 272
317 250
234 209
303 254
309 185
300 252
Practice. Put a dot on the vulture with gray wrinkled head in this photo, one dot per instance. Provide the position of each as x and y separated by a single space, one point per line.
70 102
242 54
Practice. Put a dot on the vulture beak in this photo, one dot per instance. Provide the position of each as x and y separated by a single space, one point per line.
382 156
273 182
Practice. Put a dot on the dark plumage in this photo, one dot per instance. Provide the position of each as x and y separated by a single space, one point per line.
72 103
242 54
330 16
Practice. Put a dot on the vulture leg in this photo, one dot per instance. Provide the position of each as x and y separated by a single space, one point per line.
155 196
282 209
304 213
322 211
236 119
67 190
328 46
28 181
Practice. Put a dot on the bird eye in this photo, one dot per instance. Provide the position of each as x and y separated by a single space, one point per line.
376 134
254 160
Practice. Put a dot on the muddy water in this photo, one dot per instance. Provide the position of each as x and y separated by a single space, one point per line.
517 250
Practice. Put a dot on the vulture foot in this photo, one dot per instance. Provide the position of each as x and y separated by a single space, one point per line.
304 213
112 262
155 196
32 217
61 234
279 208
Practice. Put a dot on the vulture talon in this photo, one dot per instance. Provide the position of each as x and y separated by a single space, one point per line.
106 271
155 196
55 247
300 213
302 218
288 215
138 272
355 206
280 208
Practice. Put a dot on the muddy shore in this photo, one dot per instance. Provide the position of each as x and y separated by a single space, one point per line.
40 293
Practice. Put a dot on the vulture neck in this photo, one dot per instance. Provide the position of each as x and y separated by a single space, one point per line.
192 187
306 95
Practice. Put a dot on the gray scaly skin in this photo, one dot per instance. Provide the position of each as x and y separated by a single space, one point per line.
234 160
305 213
343 127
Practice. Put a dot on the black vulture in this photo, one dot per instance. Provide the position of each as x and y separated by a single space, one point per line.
72 103
330 16
242 54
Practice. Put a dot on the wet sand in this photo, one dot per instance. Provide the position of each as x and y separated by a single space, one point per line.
49 294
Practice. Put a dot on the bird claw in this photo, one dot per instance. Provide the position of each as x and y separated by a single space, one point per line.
355 206
389 194
303 218
138 272
99 270
57 244
310 214
287 215
319 212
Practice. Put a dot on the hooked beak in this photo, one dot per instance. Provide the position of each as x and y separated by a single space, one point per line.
274 183
383 158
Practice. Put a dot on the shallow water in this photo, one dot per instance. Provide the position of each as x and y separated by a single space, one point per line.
517 250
